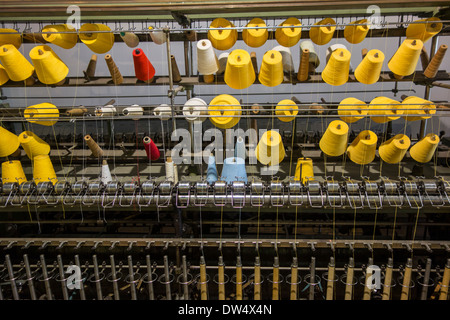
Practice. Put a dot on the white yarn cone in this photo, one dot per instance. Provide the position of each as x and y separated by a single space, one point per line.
239 149
106 173
130 39
223 58
334 47
158 36
207 62
286 56
313 57
105 111
163 111
194 108
134 110
171 171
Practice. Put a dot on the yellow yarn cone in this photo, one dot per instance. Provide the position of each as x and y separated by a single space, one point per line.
304 170
9 142
63 40
12 171
338 67
222 39
50 69
270 150
424 150
384 109
4 78
239 72
45 114
286 110
362 149
357 32
224 111
404 60
15 64
271 72
97 42
255 37
424 31
393 150
334 140
368 71
419 109
33 145
10 36
43 169
352 110
288 37
323 34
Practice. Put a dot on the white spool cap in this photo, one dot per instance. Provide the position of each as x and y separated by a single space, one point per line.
163 111
194 108
286 56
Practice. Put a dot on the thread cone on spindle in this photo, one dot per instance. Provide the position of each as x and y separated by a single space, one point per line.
93 35
286 56
33 145
290 32
224 111
76 112
4 78
368 71
45 114
176 77
271 72
424 150
15 64
207 63
106 173
239 73
10 36
50 69
222 39
351 110
286 110
223 58
12 172
424 31
255 37
393 150
211 171
95 148
270 149
304 170
356 32
170 170
324 32
92 65
151 149
130 39
404 61
417 108
158 35
334 141
303 70
43 169
234 170
62 35
163 111
113 70
433 66
313 57
195 109
362 149
338 67
9 142
384 109
143 68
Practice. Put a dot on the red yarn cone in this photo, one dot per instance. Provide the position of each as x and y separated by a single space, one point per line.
151 149
142 66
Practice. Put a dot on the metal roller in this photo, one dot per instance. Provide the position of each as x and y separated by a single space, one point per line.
313 186
409 187
238 191
276 193
130 187
10 187
148 187
257 193
220 193
183 194
27 187
44 187
332 186
113 187
164 194
201 191
295 191
371 187
61 187
429 185
389 187
351 186
79 186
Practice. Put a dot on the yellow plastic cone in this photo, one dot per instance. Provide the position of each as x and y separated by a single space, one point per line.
239 72
351 110
362 149
43 169
286 110
424 150
50 69
12 172
64 40
255 37
323 34
4 78
15 64
10 36
334 141
222 39
424 31
288 37
357 32
270 149
9 142
404 60
368 71
271 72
304 170
45 114
100 42
33 145
393 150
384 109
224 111
418 108
338 67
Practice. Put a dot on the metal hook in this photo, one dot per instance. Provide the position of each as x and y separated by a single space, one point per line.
113 245
130 245
44 245
427 246
79 244
96 245
407 246
9 246
61 245
369 247
27 244
312 244
388 247
149 244
350 246
331 246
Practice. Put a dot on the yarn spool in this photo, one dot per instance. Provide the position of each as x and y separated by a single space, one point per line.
239 148
362 149
151 149
289 37
304 170
351 110
368 71
10 36
15 64
12 172
234 170
334 141
211 171
384 109
417 108
207 63
130 39
271 72
105 111
195 109
57 35
163 111
77 112
171 173
9 142
270 149
433 66
43 169
239 73
93 146
106 173
286 110
324 32
143 68
424 31
286 57
113 70
158 35
176 76
224 111
222 39
50 69
33 145
90 70
223 58
424 150
4 78
357 32
337 69
313 57
393 150
303 69
45 114
255 37
404 61
98 42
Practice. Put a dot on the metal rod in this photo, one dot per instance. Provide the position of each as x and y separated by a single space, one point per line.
349 281
367 289
48 289
426 280
388 280
97 278
167 278
445 282
11 278
330 282
62 278
171 92
185 279
82 293
221 278
203 284
151 293
114 278
238 278
294 278
131 274
276 279
312 278
257 289
29 277
406 280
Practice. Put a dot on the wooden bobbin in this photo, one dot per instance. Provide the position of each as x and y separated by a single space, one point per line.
76 111
364 52
208 78
176 77
254 61
113 70
435 62
191 35
303 70
90 70
95 148
424 58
